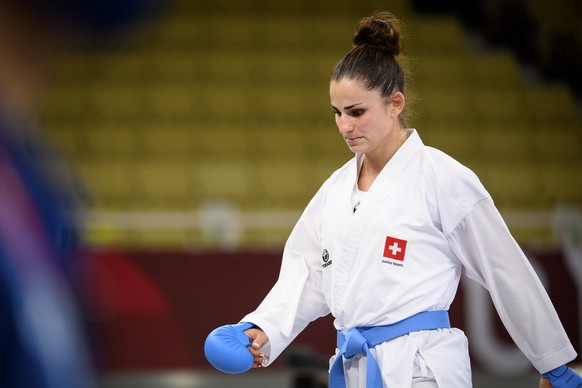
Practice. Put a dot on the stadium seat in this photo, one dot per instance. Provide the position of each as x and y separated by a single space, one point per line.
553 105
515 187
280 143
110 184
498 105
558 142
170 101
450 105
494 70
443 71
111 100
225 180
507 145
225 142
106 141
562 183
437 35
284 184
166 184
172 140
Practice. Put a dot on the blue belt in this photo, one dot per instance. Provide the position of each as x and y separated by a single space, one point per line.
359 340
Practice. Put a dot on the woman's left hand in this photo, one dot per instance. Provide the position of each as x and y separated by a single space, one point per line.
258 340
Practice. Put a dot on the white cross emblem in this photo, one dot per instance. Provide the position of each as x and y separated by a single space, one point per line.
395 249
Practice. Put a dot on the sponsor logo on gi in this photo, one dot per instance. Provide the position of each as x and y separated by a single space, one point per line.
394 249
325 258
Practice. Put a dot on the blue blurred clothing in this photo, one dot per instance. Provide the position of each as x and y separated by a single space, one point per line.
41 338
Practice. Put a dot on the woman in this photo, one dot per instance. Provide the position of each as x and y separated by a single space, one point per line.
384 241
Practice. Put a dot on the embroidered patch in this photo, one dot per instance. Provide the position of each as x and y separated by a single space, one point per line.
394 248
325 258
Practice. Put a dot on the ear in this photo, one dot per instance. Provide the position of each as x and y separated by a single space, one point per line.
398 101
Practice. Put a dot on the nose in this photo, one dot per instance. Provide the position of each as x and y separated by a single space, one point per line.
343 124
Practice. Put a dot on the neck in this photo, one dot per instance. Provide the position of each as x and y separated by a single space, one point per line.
374 163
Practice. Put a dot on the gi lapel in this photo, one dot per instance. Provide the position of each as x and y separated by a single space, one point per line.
355 225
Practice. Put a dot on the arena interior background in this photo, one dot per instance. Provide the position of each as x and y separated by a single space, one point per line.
200 137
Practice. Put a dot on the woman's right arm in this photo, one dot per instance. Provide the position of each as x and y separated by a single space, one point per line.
296 299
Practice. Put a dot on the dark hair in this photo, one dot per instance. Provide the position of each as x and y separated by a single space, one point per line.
372 60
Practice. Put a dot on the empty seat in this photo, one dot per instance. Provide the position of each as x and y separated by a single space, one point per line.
507 145
110 184
111 100
232 66
222 180
167 65
562 182
170 141
443 71
553 105
456 139
284 102
325 142
226 142
558 142
281 33
111 141
281 142
498 106
229 102
447 105
166 184
65 101
494 70
434 34
170 101
284 184
124 67
513 185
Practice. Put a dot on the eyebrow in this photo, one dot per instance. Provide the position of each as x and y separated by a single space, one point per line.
348 107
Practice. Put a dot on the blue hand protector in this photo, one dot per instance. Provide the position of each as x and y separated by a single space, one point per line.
226 348
564 377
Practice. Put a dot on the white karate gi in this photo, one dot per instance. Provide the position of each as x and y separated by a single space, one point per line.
448 221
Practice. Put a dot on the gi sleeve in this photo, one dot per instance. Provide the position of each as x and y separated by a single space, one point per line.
491 256
296 299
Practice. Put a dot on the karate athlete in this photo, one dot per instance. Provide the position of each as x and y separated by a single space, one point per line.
382 246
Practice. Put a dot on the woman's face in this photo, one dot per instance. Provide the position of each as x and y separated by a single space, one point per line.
367 121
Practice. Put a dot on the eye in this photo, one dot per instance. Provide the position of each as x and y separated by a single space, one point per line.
336 111
357 112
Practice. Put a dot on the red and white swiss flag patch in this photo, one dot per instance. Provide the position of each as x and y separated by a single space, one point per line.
394 248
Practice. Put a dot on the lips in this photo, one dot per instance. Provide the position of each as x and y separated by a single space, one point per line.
352 140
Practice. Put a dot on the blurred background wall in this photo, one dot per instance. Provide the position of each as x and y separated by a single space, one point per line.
201 137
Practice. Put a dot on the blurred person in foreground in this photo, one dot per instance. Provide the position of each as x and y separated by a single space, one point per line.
43 343
382 246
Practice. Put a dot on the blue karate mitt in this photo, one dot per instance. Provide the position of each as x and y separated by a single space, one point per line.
564 377
226 348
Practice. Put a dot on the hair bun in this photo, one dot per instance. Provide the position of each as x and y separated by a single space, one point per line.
381 32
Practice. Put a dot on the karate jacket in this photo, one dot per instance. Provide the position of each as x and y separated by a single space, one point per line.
425 218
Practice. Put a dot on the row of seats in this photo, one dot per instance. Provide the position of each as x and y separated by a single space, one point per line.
289 184
237 103
462 139
231 44
179 185
244 67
